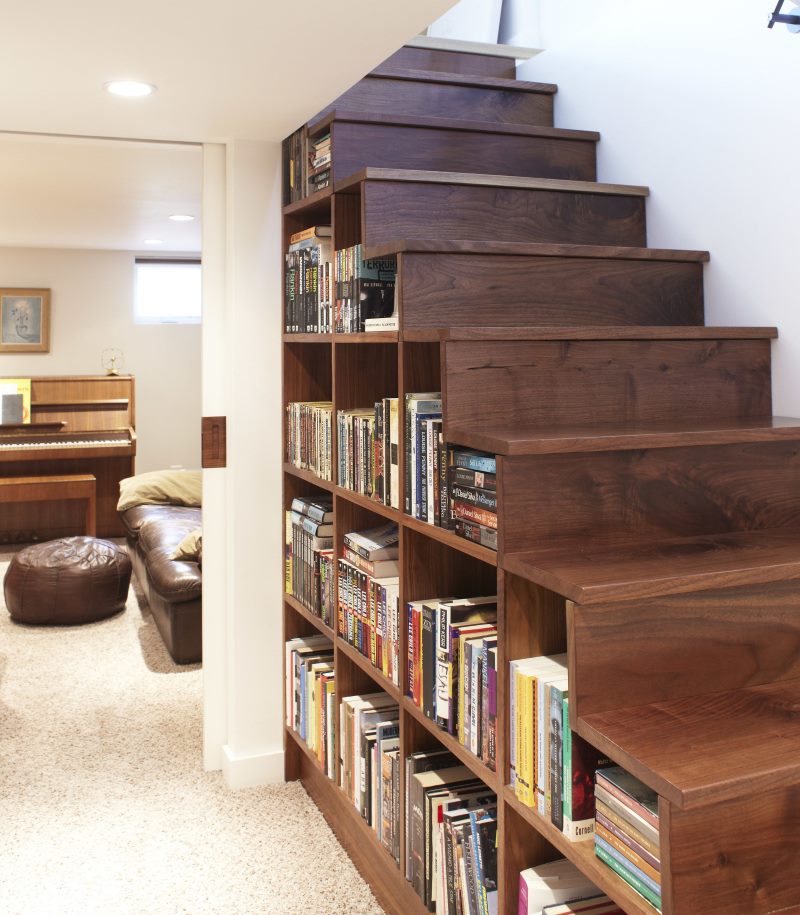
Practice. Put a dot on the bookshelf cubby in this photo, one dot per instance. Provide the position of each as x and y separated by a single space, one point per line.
647 499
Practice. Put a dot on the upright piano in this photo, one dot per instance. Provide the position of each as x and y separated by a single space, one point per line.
79 424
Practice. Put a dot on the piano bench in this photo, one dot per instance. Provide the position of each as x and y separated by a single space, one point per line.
80 487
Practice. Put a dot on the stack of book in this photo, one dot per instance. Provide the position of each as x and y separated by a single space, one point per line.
452 840
370 763
559 888
311 697
471 499
308 436
309 282
319 163
626 834
369 596
552 769
424 456
364 291
368 451
309 555
452 668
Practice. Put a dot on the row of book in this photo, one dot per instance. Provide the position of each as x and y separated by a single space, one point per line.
308 278
451 836
369 596
364 291
309 436
370 763
309 555
552 769
307 164
626 834
368 451
311 697
559 888
452 668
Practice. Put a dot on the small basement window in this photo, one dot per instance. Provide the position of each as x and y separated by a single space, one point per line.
167 291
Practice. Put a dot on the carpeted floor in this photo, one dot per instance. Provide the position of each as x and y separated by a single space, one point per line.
104 807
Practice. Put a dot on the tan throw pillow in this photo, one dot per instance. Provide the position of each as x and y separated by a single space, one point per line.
161 487
190 547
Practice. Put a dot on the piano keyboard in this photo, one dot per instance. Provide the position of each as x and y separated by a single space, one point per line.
78 443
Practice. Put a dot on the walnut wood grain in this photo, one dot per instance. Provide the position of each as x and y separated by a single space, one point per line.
475 211
520 440
738 857
214 438
531 249
609 332
450 124
358 144
449 62
591 572
524 289
549 383
410 92
56 489
420 176
653 494
706 749
655 649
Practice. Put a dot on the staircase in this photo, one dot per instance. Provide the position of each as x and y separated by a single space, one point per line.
649 501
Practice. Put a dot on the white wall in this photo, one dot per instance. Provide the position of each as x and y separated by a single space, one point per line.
92 310
698 101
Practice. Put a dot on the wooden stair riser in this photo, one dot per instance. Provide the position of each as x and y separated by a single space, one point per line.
495 290
551 383
356 145
652 494
377 95
450 62
736 858
413 210
643 651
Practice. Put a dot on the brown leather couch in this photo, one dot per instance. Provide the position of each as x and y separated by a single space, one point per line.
173 588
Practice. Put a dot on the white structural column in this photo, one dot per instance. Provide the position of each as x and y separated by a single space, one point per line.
253 752
214 385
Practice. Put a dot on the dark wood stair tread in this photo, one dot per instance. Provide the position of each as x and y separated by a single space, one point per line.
519 440
399 120
610 332
418 176
605 571
706 749
464 79
533 249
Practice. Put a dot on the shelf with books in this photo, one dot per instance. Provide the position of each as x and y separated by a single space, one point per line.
310 206
309 477
308 338
303 746
469 759
377 676
448 538
296 607
524 850
391 336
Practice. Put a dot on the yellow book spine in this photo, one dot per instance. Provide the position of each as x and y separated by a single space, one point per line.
528 779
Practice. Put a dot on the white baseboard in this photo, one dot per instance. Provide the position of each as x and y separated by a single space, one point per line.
251 771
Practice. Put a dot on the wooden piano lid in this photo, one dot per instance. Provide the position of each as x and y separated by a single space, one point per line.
9 428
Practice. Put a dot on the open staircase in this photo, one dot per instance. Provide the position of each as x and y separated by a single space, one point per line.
649 502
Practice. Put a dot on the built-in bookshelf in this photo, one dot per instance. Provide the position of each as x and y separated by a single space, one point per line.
640 488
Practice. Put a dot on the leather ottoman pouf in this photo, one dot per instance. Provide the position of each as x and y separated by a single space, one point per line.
68 581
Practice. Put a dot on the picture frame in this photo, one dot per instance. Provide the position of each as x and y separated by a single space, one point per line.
24 320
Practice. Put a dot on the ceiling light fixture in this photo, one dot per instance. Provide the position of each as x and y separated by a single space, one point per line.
153 241
129 88
181 217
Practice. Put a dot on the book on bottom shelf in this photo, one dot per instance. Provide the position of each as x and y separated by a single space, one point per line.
560 885
311 697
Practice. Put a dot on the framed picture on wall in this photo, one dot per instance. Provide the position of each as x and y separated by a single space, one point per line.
24 320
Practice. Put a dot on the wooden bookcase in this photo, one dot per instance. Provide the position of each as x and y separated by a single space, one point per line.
648 502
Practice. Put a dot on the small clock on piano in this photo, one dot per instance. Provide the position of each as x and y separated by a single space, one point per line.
112 360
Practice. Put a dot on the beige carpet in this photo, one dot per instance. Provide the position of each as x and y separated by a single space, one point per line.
104 807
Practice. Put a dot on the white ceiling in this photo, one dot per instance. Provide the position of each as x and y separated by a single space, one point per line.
245 69
57 192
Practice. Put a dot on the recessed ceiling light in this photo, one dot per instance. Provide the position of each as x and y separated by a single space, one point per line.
181 217
153 241
130 88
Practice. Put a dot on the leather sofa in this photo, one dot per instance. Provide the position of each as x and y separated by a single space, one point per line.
173 587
